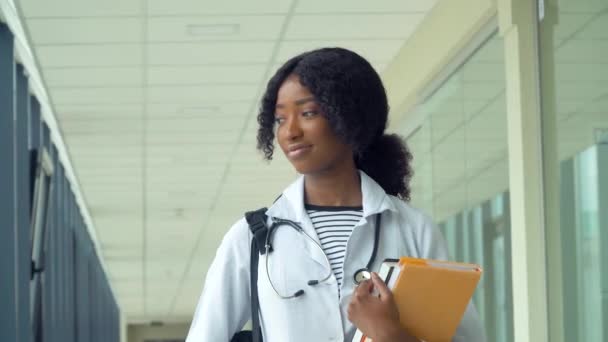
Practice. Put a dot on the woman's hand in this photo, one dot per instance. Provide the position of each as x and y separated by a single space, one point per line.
376 317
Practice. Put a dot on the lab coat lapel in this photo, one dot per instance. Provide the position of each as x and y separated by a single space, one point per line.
375 199
290 206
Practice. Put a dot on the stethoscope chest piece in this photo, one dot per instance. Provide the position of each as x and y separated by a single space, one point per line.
361 275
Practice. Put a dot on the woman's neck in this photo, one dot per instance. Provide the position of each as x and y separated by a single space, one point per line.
334 188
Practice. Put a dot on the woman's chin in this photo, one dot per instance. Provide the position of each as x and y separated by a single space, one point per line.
303 168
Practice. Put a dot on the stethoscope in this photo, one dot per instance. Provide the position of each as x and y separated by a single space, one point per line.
359 276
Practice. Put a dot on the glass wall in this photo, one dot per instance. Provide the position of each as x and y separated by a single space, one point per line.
461 176
574 64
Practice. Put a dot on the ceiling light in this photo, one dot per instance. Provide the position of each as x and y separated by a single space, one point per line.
213 30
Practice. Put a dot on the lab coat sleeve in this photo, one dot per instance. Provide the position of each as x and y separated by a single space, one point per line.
224 305
433 246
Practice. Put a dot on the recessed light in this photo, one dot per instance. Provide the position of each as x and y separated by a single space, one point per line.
213 30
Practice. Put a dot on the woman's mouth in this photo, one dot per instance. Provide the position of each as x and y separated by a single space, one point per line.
298 151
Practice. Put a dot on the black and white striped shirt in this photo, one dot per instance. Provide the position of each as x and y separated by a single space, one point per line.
334 226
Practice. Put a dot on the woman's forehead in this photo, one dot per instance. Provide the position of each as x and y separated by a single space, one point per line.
292 91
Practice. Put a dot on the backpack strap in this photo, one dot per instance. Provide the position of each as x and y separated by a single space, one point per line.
257 225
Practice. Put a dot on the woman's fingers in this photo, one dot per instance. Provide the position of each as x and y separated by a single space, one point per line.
364 288
383 290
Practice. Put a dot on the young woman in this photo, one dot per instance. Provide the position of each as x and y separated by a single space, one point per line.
328 110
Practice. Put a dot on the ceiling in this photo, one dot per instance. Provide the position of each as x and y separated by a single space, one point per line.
156 101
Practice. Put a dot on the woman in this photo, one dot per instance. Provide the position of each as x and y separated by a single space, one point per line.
328 110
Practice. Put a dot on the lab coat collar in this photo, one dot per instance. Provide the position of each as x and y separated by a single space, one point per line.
291 205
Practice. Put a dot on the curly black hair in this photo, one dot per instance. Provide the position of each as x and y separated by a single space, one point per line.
353 99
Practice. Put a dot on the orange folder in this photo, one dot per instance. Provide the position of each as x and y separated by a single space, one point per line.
431 295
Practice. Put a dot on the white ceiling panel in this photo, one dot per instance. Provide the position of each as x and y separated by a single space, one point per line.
115 55
208 110
374 50
128 288
209 7
57 31
123 233
187 297
202 126
162 248
80 112
94 77
96 169
102 126
126 269
76 8
199 95
177 228
345 27
78 95
95 152
201 173
187 153
131 195
105 139
221 53
362 6
222 28
196 75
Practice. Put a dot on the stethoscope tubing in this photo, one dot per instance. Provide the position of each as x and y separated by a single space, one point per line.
361 274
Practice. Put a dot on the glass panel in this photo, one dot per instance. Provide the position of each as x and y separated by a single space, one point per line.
461 177
574 64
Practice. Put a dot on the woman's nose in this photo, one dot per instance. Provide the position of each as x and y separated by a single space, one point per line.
293 129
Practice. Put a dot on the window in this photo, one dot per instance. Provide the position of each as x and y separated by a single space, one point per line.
461 176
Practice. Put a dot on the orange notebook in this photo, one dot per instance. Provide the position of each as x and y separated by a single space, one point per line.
431 295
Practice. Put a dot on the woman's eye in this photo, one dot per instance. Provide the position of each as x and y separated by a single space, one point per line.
278 121
309 113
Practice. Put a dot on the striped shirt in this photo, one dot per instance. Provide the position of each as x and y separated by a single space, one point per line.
334 226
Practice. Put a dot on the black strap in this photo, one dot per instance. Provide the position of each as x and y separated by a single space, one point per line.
257 225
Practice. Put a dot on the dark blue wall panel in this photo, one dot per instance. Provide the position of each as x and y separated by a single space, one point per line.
8 285
47 295
23 204
77 303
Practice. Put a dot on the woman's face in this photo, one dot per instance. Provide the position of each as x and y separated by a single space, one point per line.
304 134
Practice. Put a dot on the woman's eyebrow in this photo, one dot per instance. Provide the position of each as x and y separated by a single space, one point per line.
305 100
298 102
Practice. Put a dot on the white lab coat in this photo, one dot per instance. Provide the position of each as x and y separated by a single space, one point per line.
319 314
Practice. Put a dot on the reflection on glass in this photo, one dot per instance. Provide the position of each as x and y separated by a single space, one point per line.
574 59
584 239
461 177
